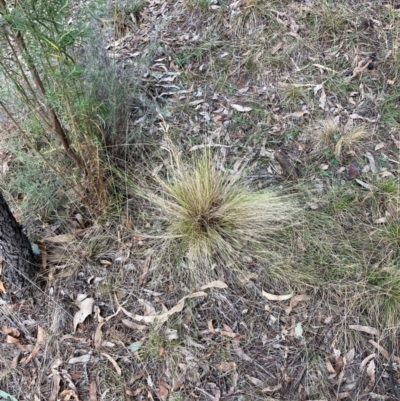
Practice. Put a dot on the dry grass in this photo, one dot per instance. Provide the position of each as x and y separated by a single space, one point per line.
349 139
212 216
325 132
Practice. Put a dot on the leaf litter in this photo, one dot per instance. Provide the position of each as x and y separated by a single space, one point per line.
231 342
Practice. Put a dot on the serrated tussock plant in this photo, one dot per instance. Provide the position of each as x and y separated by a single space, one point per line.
213 217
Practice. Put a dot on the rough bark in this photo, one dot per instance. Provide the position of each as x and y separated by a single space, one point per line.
18 260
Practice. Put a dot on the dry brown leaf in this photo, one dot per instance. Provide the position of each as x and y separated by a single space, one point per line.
134 325
356 116
163 390
93 391
12 340
80 359
67 394
364 184
210 326
228 334
257 382
149 309
11 331
55 386
86 309
58 239
338 364
329 366
379 146
228 329
348 358
171 334
322 100
294 27
40 340
271 389
371 372
294 302
239 352
364 362
98 335
380 349
364 329
297 114
217 395
384 352
371 162
163 317
80 220
395 141
145 269
240 108
214 284
273 297
41 335
277 47
15 360
114 363
226 367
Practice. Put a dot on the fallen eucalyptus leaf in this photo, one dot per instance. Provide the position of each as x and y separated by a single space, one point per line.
273 297
240 108
214 284
86 309
365 329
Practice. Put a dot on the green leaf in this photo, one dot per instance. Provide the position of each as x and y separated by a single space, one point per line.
298 330
35 249
135 346
7 397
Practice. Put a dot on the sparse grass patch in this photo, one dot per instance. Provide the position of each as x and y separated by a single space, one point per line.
389 109
392 233
328 19
198 4
343 202
294 94
384 284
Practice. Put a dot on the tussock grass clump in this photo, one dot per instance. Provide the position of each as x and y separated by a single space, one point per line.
214 217
325 132
349 139
328 134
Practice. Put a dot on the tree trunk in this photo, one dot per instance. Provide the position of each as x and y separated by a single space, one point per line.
16 253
